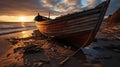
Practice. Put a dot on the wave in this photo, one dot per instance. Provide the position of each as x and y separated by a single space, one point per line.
4 28
12 27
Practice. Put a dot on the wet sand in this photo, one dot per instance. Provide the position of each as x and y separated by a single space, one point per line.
17 50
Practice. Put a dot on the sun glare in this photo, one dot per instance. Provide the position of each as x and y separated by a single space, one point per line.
22 19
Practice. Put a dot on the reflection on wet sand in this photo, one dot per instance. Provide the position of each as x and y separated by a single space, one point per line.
25 34
20 34
23 24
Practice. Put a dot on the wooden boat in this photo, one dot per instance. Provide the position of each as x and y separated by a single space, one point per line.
79 28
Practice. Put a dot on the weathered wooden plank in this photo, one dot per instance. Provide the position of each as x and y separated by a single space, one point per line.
83 18
75 26
79 28
72 29
84 23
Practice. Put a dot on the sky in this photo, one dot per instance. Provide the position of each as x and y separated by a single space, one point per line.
26 10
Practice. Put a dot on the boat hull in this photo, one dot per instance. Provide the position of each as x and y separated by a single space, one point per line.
75 36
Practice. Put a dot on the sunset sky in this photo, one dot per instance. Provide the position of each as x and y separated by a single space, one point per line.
25 10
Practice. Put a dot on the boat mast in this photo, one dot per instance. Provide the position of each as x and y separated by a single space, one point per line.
38 14
49 15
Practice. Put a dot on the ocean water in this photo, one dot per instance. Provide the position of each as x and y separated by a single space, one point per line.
11 27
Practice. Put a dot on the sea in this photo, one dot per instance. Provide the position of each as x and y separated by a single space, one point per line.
12 27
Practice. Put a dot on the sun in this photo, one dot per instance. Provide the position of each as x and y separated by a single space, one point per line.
22 18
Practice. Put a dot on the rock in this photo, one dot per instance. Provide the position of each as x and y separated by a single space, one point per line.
8 55
18 49
95 40
31 49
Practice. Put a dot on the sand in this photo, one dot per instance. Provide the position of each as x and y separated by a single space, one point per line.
22 49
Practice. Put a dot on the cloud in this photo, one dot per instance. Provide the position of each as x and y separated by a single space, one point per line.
56 7
62 7
22 7
93 3
72 5
31 7
72 2
16 7
50 3
114 5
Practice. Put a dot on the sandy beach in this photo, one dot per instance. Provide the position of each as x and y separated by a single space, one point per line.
60 33
24 49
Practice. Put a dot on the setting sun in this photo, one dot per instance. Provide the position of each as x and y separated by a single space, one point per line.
22 19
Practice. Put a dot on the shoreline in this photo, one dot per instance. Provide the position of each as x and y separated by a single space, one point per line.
1 34
18 34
